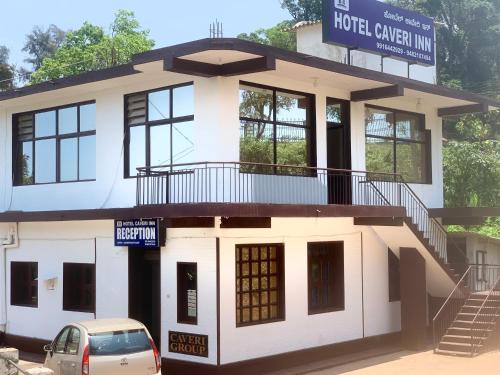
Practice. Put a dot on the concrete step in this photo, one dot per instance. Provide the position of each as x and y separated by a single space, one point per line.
462 331
463 339
452 353
468 324
478 317
457 347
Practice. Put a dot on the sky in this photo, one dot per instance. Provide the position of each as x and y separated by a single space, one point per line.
169 21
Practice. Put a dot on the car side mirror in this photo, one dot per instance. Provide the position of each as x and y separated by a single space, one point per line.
48 349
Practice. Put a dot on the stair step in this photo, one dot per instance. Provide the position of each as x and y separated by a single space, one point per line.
461 331
467 339
452 353
457 347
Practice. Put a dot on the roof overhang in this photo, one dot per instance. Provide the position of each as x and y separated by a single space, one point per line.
230 57
464 215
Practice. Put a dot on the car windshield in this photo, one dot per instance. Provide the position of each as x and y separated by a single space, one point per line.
119 342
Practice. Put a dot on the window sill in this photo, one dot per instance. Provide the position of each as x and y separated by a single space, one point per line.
80 310
249 324
25 305
326 310
53 183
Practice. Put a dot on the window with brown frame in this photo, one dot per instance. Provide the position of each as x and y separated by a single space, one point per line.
394 277
187 293
79 287
24 284
326 277
260 287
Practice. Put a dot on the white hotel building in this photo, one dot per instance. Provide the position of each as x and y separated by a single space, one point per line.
275 243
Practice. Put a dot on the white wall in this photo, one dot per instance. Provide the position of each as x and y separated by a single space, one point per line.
216 138
300 330
198 246
52 244
310 41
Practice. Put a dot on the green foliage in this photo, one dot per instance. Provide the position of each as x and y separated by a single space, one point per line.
90 48
491 228
276 36
6 70
303 10
42 43
472 174
468 37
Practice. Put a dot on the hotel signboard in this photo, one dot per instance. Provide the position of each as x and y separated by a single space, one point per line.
137 233
377 27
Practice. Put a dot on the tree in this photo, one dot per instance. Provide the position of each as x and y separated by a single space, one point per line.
303 10
42 43
90 48
472 174
277 36
468 37
6 70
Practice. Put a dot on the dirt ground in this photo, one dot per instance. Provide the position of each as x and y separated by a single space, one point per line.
424 363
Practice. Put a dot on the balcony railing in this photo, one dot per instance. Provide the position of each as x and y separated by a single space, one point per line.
233 182
213 182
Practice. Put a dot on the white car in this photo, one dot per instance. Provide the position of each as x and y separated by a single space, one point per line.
103 347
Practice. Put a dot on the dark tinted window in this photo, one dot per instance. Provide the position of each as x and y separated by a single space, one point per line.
24 284
187 293
79 287
119 342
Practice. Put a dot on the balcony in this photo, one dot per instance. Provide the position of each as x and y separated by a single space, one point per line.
221 182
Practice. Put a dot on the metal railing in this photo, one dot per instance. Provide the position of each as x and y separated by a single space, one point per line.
480 279
450 309
234 182
486 318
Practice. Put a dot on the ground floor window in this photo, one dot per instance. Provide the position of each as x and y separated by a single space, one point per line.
187 293
325 276
394 277
260 287
24 284
79 287
481 262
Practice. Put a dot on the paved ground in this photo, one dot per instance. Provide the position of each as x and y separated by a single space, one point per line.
424 363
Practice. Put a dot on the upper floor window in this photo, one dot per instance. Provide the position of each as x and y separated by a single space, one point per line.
159 128
276 127
56 145
397 142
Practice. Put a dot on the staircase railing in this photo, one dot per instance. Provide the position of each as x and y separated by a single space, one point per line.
452 306
486 318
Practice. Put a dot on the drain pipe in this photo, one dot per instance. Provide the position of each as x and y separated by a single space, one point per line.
11 242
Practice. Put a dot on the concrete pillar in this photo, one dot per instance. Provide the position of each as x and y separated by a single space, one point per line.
413 299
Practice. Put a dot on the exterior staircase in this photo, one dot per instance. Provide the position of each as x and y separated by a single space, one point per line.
468 324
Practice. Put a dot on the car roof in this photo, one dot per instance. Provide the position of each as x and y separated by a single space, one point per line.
110 325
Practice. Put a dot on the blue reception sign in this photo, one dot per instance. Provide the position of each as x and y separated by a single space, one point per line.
137 233
374 26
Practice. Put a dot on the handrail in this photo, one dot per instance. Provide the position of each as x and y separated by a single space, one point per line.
486 300
451 294
284 166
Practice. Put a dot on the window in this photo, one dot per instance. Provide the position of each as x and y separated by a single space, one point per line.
325 276
68 341
394 277
56 145
187 293
24 284
119 343
159 128
397 142
79 287
482 263
276 127
260 291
